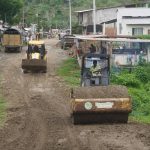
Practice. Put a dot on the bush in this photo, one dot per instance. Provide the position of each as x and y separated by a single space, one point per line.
147 87
142 74
127 80
143 36
140 97
138 83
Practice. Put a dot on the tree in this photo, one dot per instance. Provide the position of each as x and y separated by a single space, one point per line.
9 9
55 13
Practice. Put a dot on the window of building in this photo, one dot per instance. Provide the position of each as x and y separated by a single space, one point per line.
137 31
120 28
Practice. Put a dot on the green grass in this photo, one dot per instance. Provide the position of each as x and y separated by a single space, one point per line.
2 107
70 72
140 119
2 110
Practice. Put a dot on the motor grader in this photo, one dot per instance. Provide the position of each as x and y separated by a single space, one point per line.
96 101
36 60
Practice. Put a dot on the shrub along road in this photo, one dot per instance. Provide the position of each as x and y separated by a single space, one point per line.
38 113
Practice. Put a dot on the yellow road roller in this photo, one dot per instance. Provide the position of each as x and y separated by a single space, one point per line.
96 101
36 60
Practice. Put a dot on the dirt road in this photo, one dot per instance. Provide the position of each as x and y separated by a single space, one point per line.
39 114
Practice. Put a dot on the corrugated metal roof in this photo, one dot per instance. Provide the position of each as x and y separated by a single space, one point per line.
80 11
125 5
114 39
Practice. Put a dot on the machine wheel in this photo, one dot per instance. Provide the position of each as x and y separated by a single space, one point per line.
19 49
82 84
64 47
74 120
99 118
25 71
6 50
44 71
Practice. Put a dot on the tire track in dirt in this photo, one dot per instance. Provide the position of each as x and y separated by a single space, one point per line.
32 128
39 113
28 90
29 123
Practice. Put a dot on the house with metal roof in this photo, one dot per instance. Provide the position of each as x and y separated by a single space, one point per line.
112 20
133 21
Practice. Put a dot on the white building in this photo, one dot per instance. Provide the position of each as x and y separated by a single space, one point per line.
122 20
133 21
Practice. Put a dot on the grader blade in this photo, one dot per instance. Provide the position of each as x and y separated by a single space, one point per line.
34 65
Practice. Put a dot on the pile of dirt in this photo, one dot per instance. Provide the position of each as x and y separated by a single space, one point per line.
111 91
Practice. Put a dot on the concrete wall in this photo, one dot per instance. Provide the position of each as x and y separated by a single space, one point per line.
122 59
87 18
127 18
104 15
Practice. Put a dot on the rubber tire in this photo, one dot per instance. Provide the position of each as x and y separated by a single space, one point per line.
44 71
25 71
19 49
6 50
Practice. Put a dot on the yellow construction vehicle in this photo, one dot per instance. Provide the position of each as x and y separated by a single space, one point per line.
96 101
36 60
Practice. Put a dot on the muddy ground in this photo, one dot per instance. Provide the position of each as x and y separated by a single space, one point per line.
39 114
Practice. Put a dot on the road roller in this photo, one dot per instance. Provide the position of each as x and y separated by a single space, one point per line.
96 101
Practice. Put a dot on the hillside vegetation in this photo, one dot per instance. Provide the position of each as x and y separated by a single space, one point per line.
55 13
10 10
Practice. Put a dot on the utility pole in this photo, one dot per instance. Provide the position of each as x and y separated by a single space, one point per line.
70 16
38 22
5 18
38 27
23 16
94 17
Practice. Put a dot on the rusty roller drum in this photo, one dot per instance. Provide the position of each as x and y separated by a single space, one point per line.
34 64
102 104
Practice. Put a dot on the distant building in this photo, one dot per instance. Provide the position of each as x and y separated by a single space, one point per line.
133 21
117 20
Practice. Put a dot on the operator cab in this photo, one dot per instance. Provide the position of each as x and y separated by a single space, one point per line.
36 50
97 77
